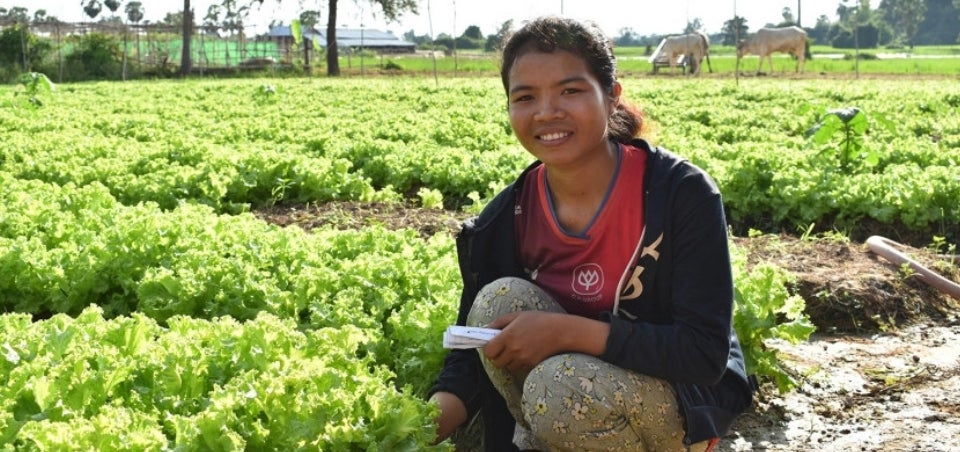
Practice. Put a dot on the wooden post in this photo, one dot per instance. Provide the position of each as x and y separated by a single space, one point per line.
306 55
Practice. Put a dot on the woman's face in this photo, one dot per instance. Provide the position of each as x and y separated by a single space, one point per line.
558 110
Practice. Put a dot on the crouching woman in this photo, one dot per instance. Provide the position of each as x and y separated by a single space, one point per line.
606 267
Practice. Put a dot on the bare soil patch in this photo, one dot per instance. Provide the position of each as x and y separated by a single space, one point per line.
882 373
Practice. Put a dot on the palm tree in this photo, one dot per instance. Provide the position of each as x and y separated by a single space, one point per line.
92 8
134 12
112 5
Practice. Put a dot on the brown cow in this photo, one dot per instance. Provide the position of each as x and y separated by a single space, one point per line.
792 40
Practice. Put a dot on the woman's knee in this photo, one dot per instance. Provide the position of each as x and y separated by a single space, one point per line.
506 295
553 372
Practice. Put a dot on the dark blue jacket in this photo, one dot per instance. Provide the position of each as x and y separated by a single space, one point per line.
679 329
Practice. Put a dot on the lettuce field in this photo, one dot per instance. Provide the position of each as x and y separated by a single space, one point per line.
145 307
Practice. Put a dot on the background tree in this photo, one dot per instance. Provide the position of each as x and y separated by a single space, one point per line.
392 9
956 4
17 14
95 57
941 23
172 20
234 16
845 12
904 17
820 33
471 38
92 8
112 5
627 37
442 40
310 19
211 22
20 49
134 11
495 41
858 26
472 32
733 29
788 18
210 26
413 37
693 25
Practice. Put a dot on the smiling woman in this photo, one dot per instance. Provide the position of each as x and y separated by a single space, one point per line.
580 261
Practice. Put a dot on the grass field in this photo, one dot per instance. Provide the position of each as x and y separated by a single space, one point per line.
940 60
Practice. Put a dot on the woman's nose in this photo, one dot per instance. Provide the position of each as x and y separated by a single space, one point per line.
548 109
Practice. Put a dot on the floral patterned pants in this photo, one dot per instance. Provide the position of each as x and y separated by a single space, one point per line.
573 401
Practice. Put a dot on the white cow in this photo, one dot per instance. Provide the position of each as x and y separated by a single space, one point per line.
792 40
694 46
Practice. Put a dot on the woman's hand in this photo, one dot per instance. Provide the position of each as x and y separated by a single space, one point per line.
526 339
452 413
529 337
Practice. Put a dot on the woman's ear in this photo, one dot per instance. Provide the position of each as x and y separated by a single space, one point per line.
615 91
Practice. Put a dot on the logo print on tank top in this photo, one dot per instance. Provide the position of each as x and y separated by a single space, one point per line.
587 280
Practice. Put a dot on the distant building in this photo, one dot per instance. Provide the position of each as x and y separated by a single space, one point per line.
347 38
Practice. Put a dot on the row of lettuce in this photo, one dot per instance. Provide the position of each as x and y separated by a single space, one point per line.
147 309
233 144
193 330
203 331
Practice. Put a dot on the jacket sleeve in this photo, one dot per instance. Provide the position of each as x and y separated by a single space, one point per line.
485 251
687 338
461 368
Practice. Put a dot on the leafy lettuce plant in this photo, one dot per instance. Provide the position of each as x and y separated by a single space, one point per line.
766 311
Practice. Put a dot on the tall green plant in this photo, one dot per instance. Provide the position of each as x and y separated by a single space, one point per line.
21 51
34 86
97 56
851 125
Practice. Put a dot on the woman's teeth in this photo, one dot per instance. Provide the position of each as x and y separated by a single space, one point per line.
553 136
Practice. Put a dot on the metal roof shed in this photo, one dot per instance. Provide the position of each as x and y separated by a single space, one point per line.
348 38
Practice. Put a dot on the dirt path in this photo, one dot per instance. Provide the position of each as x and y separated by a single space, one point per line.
894 391
883 371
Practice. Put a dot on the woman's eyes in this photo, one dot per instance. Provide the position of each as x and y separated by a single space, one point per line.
529 97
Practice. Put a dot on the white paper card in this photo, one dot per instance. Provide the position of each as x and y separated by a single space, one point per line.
467 336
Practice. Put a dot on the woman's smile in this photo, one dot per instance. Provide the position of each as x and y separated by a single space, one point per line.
556 136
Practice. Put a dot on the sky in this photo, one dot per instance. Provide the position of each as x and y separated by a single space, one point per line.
453 16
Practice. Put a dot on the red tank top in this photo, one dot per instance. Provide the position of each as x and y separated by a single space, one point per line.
582 271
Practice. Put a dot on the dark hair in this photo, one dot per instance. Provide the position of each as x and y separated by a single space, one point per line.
586 41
